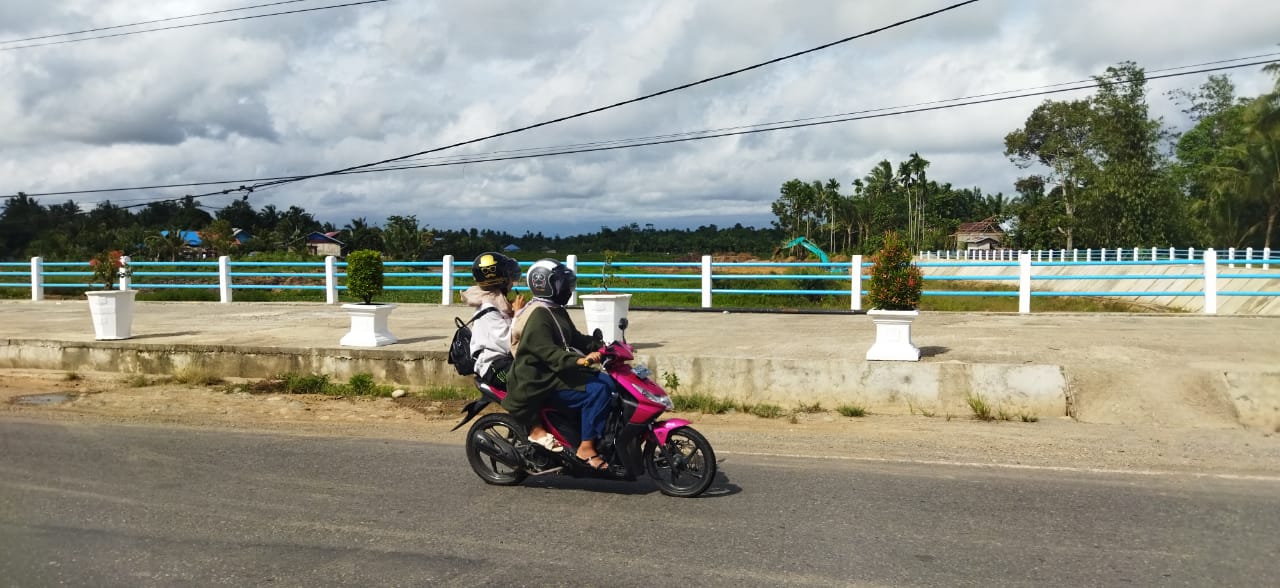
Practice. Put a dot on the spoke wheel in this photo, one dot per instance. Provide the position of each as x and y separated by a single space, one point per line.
684 466
491 450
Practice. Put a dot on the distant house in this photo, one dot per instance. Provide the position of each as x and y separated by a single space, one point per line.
192 238
241 236
511 248
985 234
324 244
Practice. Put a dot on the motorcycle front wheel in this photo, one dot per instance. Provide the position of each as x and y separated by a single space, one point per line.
684 466
491 450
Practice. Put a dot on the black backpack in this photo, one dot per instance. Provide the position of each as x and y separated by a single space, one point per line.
460 348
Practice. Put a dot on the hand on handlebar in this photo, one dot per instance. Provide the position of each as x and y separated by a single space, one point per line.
590 358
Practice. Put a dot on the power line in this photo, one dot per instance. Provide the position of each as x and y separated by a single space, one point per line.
195 24
626 102
613 144
145 22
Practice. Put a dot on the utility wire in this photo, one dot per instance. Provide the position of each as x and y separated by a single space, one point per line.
194 24
145 22
625 102
441 161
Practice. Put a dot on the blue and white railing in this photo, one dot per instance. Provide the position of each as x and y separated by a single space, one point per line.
1142 274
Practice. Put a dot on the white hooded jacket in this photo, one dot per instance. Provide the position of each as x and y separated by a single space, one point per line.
491 333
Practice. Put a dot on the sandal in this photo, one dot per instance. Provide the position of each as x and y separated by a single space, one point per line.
603 467
548 442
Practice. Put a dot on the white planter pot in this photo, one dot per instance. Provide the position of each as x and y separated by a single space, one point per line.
112 312
368 325
603 312
893 336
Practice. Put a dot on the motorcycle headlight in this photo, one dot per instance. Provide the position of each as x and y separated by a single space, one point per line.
663 400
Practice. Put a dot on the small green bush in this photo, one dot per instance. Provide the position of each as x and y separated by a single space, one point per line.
852 410
362 385
896 283
308 384
364 274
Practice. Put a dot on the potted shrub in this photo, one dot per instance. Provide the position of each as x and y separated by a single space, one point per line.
894 290
368 319
111 309
604 309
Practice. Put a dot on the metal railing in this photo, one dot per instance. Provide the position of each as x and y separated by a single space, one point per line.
707 279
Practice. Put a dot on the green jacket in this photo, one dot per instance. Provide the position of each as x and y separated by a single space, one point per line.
542 364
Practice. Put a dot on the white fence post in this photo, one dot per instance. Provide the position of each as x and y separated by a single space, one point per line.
1231 257
1088 255
1024 283
1210 281
446 281
706 281
1266 256
1191 254
855 292
1173 254
1075 255
224 279
1248 257
571 262
125 281
37 279
330 279
1135 254
1154 251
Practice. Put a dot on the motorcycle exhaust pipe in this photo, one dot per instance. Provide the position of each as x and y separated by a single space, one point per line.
498 449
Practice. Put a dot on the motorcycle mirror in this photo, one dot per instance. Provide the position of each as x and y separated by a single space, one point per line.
622 324
598 334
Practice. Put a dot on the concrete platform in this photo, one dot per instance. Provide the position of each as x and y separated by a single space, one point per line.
1184 370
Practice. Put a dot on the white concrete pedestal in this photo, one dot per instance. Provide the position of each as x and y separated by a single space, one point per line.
112 312
893 336
603 311
368 325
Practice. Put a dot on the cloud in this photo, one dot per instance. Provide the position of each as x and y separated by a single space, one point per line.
331 89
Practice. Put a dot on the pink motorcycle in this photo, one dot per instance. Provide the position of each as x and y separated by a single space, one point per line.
678 458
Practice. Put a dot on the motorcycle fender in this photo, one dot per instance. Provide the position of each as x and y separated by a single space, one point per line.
661 428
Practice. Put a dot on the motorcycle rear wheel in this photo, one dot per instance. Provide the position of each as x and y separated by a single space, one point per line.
491 446
685 466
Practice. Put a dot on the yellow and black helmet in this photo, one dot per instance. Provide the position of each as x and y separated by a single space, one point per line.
492 269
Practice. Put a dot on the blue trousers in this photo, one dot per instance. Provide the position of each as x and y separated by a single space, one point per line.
592 403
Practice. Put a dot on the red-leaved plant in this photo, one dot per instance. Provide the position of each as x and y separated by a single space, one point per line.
895 281
107 268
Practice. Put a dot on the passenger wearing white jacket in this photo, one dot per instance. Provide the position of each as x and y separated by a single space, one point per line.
495 274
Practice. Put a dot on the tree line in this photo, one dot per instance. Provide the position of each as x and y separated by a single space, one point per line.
1101 172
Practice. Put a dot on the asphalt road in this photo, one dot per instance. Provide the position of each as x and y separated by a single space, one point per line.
112 505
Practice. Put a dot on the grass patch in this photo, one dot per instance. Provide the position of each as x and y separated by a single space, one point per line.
138 381
1028 418
810 408
767 411
304 384
448 393
851 410
1003 415
981 409
196 376
703 403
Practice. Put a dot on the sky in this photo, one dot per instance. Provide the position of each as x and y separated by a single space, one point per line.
330 89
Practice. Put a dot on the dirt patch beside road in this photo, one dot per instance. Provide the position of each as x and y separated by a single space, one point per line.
1051 443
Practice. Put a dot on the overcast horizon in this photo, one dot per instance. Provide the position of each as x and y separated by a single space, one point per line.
328 89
